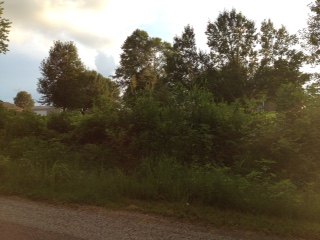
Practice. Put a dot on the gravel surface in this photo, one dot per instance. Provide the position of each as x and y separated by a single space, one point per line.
22 219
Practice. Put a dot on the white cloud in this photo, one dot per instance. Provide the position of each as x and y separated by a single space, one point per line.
104 24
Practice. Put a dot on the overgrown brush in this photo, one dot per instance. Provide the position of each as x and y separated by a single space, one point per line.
162 179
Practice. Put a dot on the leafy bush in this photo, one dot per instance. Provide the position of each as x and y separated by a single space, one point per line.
62 122
24 124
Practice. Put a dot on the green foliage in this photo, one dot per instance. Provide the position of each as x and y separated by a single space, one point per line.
231 83
156 179
4 116
290 98
141 63
92 130
244 63
60 74
5 25
63 74
62 122
24 100
93 86
281 60
278 45
24 124
312 33
232 38
4 164
184 61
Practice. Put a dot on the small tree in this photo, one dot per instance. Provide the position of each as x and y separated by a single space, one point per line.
24 100
4 31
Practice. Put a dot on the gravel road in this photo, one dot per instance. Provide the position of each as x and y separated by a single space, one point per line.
22 219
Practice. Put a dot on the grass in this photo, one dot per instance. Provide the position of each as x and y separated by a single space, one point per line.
206 194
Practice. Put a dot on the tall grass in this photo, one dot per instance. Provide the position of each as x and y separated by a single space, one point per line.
158 179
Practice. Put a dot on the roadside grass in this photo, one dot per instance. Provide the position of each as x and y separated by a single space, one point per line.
228 219
207 194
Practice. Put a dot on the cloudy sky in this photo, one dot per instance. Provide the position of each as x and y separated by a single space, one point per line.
99 27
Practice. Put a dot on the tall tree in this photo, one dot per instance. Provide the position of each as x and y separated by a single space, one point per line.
183 62
24 100
232 38
267 41
281 60
61 73
279 45
141 62
4 31
312 33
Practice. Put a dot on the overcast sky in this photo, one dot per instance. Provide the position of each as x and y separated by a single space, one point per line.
99 28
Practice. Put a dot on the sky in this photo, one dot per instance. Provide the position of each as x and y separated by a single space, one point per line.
99 28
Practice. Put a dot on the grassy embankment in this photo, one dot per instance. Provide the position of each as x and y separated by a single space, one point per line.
203 194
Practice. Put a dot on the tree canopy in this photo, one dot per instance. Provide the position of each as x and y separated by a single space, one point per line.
66 83
141 62
183 61
94 87
312 33
60 75
232 38
4 31
24 100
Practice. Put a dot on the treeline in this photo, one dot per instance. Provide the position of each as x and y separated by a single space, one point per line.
243 104
235 127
